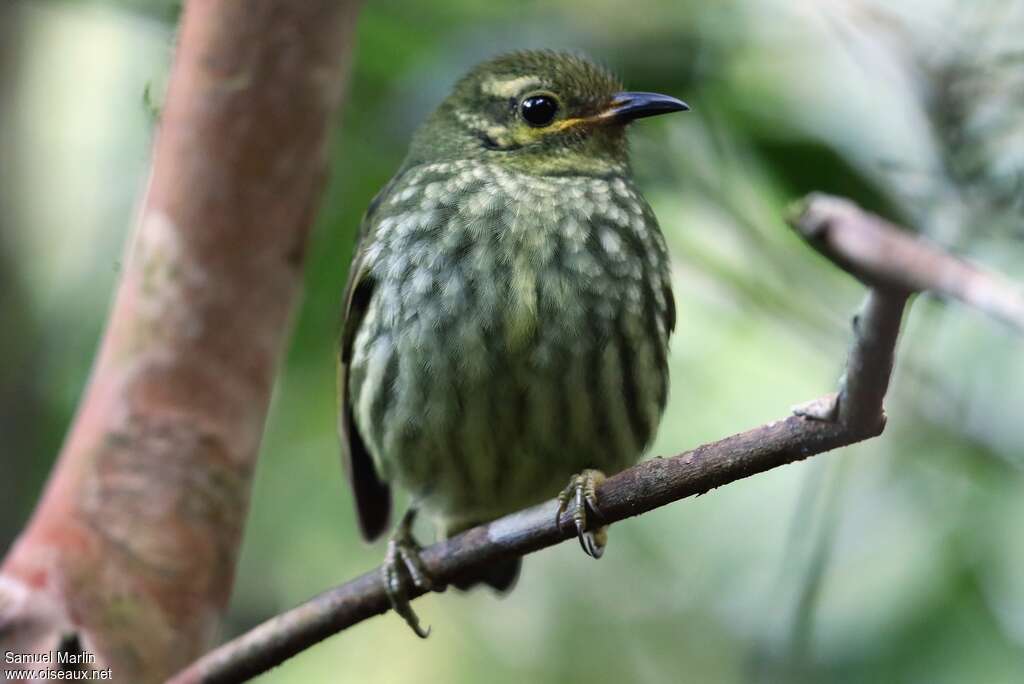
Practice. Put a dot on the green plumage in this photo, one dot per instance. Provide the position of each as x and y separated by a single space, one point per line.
509 305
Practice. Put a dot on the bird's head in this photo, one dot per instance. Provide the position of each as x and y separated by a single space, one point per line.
539 111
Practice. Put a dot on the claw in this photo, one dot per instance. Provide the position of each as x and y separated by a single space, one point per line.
404 553
583 489
590 490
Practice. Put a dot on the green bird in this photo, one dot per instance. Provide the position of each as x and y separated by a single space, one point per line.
508 311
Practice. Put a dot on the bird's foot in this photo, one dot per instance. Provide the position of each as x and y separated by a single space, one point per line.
582 489
403 563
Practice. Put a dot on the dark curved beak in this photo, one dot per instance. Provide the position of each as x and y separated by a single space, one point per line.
627 106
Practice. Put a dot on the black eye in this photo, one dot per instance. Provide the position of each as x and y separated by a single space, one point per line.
539 110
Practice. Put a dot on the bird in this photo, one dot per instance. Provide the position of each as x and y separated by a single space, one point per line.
507 314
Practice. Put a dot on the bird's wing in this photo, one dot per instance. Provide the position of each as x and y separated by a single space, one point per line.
670 304
372 494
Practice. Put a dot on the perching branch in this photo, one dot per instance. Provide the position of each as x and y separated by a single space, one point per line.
887 259
129 556
892 265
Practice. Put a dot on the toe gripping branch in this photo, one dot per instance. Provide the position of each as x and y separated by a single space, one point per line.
402 563
582 490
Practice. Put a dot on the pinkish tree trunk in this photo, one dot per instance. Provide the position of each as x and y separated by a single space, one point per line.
132 546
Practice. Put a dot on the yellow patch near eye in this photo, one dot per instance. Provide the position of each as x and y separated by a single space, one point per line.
524 135
569 123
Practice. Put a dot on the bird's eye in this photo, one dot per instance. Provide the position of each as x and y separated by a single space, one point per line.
539 110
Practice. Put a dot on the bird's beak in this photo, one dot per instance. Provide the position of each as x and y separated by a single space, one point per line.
627 106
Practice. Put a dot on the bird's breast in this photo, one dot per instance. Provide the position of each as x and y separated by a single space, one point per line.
494 261
514 317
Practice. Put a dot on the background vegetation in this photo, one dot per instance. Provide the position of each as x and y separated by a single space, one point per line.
898 560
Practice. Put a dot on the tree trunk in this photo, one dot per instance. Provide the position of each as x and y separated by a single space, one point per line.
132 547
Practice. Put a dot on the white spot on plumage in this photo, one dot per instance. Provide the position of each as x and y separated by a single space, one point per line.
611 243
476 121
432 190
573 230
640 227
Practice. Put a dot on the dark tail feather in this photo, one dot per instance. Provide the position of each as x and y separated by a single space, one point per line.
500 576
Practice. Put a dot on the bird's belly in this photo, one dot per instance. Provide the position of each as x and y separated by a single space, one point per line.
494 398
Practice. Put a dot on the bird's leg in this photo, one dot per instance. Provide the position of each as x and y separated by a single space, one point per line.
403 558
582 489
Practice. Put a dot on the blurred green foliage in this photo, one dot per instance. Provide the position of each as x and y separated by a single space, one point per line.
898 560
